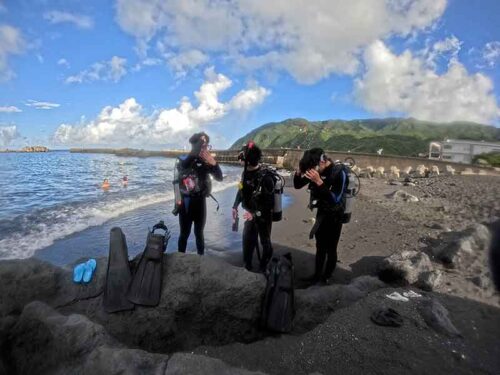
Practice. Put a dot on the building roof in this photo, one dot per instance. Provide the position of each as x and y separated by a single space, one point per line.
466 141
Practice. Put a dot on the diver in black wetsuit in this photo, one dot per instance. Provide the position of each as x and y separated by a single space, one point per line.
327 183
256 194
195 185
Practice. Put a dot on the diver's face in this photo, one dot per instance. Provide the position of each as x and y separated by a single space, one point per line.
321 167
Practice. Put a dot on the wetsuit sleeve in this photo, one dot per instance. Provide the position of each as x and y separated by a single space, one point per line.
215 171
299 182
238 199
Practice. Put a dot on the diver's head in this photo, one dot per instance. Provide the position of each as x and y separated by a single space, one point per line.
251 154
315 158
199 142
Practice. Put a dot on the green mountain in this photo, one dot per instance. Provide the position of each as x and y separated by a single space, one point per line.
396 136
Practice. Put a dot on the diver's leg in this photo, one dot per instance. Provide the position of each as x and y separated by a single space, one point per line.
249 242
185 223
331 262
200 218
263 226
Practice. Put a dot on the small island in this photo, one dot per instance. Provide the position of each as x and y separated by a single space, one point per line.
29 149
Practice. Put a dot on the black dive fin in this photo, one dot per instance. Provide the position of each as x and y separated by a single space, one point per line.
145 288
118 275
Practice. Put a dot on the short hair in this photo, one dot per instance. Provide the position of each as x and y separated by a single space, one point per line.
310 159
251 154
195 138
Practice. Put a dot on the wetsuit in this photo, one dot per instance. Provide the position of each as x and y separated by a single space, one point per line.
260 206
328 226
194 207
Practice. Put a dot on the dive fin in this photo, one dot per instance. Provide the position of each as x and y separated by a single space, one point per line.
145 288
118 275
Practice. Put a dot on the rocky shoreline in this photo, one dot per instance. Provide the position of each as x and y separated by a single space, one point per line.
208 318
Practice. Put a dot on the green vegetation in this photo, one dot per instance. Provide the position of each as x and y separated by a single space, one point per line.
395 136
491 158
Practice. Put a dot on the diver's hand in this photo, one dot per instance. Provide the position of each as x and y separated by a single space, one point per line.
235 213
314 176
247 216
207 157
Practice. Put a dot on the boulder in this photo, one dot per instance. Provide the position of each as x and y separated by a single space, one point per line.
204 300
429 280
46 342
314 305
436 317
43 340
182 363
402 196
458 248
434 170
409 268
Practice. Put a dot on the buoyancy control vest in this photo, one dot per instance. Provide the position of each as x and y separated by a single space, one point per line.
260 191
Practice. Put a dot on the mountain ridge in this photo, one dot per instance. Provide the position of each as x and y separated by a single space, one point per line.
397 136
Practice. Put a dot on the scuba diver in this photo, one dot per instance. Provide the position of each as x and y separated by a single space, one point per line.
192 184
125 181
327 184
256 194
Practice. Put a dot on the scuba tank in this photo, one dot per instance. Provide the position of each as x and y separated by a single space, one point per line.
279 184
352 190
177 191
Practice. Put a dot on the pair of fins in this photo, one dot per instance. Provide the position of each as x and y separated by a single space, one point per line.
123 289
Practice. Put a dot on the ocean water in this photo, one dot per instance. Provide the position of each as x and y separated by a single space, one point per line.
52 206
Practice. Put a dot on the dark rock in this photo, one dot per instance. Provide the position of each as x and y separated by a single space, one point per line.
458 248
119 361
483 281
204 300
436 317
429 280
27 280
46 342
314 305
43 340
182 363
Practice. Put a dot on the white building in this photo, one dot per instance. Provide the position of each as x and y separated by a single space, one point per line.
460 151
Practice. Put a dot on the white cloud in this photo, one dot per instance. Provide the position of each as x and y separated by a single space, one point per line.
309 39
80 21
41 105
112 70
11 43
447 48
406 84
127 124
63 62
8 134
9 109
182 62
491 53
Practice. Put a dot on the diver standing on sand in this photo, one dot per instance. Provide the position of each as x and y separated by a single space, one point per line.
256 194
194 185
327 183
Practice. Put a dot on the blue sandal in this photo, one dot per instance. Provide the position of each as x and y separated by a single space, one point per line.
90 267
78 273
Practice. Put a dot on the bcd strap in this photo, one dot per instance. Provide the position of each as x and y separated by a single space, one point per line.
216 201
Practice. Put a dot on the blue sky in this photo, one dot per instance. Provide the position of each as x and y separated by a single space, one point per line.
147 73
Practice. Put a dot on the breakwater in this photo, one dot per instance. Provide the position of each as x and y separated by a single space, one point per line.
289 158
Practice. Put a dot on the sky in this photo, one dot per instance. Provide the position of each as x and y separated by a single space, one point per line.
148 73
